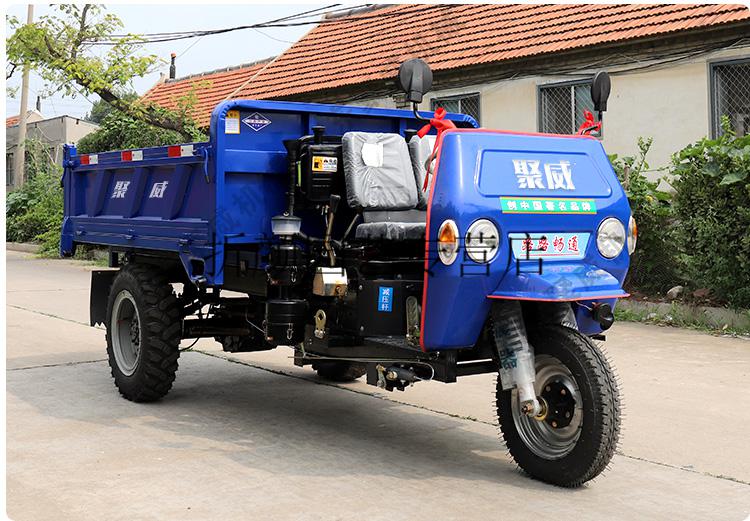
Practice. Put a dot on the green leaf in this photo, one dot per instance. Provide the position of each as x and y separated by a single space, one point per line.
733 177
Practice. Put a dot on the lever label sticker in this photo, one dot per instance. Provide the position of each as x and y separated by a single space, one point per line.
385 299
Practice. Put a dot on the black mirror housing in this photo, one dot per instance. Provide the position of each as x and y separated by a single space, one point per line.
600 87
415 79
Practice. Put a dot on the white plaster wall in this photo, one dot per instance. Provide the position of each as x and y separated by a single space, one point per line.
670 104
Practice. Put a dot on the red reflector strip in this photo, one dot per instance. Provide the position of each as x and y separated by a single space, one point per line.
90 159
84 160
180 151
132 155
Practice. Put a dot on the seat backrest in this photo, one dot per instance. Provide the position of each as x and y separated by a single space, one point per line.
420 149
378 172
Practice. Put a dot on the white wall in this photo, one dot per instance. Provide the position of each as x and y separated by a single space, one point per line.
670 104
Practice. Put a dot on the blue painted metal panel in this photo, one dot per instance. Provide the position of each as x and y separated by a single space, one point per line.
476 169
225 192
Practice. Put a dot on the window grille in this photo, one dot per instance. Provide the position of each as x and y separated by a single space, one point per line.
561 107
730 96
464 104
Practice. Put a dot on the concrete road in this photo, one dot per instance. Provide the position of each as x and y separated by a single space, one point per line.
250 436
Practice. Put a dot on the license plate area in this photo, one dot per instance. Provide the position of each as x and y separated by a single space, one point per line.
549 246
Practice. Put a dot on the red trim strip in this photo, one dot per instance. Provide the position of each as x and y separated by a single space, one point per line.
595 297
174 151
85 160
439 145
126 155
517 133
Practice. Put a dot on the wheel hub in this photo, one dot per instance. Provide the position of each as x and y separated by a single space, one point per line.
560 404
126 333
554 432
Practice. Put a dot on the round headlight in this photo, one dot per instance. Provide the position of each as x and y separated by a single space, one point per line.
447 243
632 235
610 238
482 241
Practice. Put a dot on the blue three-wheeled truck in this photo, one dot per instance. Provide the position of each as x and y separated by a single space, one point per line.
395 244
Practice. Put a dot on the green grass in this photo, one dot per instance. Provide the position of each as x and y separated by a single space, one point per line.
678 316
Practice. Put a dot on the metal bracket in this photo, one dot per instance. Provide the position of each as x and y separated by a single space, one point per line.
320 324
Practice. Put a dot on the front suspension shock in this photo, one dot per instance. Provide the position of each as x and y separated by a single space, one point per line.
515 354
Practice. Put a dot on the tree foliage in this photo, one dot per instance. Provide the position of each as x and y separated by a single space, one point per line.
34 212
654 266
712 206
63 49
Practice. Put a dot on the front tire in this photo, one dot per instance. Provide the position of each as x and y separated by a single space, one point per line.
578 435
144 326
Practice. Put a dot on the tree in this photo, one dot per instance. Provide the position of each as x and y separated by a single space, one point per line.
78 51
100 109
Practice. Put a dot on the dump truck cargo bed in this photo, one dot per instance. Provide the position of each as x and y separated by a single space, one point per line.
194 199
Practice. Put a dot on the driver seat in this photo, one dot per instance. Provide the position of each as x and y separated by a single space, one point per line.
380 183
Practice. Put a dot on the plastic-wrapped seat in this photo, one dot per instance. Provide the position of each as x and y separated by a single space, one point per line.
420 149
380 183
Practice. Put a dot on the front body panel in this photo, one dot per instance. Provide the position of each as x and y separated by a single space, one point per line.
479 173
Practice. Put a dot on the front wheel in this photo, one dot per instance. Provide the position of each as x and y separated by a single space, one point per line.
574 438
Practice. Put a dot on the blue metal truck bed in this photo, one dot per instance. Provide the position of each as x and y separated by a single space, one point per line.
193 199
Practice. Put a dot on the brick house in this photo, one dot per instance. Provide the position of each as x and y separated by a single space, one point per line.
676 69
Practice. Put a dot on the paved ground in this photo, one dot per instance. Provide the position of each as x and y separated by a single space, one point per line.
251 436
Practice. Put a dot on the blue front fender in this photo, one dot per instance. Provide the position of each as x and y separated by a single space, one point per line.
474 176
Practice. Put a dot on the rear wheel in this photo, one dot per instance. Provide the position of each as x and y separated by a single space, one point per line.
575 437
340 371
144 326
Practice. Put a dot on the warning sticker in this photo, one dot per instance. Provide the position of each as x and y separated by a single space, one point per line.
232 122
325 164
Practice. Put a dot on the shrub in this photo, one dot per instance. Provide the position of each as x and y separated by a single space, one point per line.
654 265
34 212
712 205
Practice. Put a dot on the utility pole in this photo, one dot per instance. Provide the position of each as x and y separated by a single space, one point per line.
19 158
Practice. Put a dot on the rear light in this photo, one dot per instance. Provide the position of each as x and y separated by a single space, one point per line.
632 235
447 243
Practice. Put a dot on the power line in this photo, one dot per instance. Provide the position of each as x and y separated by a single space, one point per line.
170 37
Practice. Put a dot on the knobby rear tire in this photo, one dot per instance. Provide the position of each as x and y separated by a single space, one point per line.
600 426
160 327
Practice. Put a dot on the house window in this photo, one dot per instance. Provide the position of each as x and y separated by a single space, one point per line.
464 104
8 169
560 106
730 96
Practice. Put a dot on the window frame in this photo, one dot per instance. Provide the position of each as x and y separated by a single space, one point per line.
459 97
555 84
714 124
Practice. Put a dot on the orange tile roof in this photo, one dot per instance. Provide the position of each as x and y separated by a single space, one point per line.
370 46
13 120
209 89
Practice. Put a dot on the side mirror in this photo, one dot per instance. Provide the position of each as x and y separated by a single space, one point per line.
600 88
415 79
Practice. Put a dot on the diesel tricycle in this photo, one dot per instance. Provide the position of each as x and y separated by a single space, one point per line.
392 244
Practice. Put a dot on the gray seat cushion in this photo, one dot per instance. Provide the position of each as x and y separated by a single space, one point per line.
392 225
420 149
390 231
378 172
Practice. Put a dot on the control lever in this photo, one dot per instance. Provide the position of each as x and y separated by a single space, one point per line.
333 205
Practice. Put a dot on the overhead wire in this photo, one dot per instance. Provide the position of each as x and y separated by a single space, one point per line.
182 35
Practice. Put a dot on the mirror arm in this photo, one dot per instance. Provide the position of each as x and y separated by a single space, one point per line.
416 113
